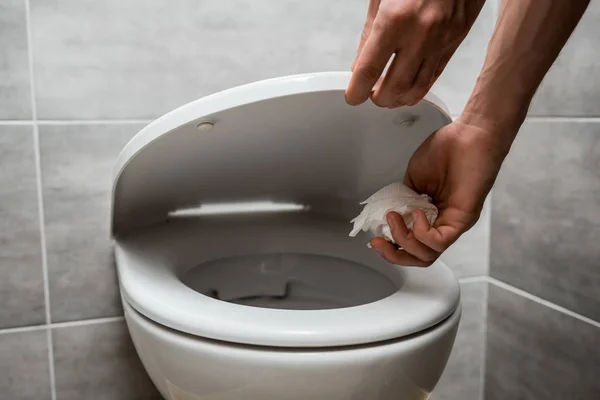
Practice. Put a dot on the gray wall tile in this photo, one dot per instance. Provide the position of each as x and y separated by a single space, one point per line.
458 79
546 215
535 352
571 87
470 255
21 285
77 166
139 59
99 361
15 98
462 377
24 366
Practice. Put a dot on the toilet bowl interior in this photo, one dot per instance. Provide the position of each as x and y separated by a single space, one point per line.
292 281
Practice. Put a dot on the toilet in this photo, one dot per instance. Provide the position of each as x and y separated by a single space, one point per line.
230 222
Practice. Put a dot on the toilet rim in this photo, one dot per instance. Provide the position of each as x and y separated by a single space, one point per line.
151 284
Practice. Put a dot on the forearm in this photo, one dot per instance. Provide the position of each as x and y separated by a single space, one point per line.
528 37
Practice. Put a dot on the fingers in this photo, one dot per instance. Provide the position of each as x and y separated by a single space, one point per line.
423 81
369 66
438 237
419 248
448 53
399 78
371 12
393 255
405 239
411 253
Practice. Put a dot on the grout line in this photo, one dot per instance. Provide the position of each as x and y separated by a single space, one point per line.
541 301
95 122
77 122
85 322
482 376
10 122
488 231
38 167
530 118
566 118
473 279
486 295
67 324
22 329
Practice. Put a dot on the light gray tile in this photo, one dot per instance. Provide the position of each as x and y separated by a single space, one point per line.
99 362
546 215
458 79
21 285
462 378
139 59
24 366
15 99
77 167
571 87
470 255
535 352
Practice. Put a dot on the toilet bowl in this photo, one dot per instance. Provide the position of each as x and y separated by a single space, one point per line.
238 278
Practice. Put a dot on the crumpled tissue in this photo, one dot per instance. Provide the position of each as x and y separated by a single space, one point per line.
394 197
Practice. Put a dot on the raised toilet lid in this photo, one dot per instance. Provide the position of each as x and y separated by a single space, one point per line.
293 141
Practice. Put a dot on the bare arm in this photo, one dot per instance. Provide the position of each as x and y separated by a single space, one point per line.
528 38
457 166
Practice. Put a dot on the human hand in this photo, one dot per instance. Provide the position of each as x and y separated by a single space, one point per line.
457 167
422 35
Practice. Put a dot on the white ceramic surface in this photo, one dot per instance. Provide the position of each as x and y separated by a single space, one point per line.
290 140
152 264
184 367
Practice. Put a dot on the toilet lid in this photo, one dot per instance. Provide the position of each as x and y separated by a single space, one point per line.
291 140
287 141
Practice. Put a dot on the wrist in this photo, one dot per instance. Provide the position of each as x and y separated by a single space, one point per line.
500 114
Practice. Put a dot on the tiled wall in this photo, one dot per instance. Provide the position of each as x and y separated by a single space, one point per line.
78 78
544 301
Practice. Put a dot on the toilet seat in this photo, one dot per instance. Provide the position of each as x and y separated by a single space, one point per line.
290 140
151 265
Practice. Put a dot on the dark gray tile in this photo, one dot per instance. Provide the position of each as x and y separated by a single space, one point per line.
139 59
77 167
535 352
21 285
462 378
24 366
571 86
98 361
470 255
15 98
546 215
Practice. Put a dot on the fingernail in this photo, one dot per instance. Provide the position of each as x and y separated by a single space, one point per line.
416 216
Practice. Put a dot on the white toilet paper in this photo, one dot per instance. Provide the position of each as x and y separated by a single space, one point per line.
394 197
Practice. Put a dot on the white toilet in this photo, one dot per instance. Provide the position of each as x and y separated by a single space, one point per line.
230 219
